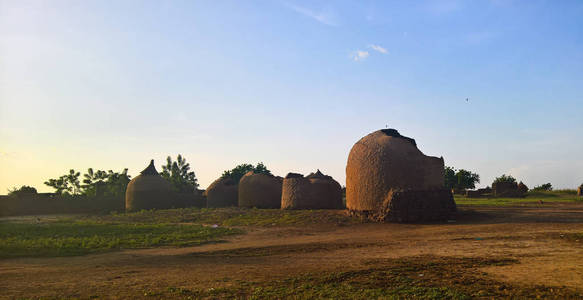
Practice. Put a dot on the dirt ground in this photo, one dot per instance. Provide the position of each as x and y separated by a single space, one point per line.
542 240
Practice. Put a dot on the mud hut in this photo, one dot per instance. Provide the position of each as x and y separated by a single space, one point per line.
223 192
504 189
148 190
389 179
522 188
316 191
260 190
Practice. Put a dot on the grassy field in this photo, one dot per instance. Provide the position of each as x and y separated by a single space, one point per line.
531 199
78 237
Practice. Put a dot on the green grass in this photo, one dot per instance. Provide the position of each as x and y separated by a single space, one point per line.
68 238
234 216
79 235
531 199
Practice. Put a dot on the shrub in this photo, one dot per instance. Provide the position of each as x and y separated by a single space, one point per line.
237 172
543 187
505 178
23 190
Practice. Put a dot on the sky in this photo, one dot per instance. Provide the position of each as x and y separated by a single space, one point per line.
293 84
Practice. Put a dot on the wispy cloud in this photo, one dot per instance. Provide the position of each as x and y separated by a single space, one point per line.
379 49
359 55
326 18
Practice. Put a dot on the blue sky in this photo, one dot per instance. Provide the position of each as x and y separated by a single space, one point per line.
294 84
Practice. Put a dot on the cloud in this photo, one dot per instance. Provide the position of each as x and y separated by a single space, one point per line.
360 55
326 18
379 49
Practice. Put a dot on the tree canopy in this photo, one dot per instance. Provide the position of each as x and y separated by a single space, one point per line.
67 184
543 187
179 175
460 179
237 172
23 190
505 178
95 183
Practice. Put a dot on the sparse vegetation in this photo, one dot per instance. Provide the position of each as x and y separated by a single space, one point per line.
422 277
22 191
543 187
532 198
78 237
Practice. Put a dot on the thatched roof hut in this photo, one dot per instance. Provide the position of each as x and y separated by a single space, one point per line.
223 192
522 188
260 190
148 190
316 191
386 161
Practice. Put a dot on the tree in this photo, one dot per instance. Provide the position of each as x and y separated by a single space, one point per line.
466 179
179 175
460 179
505 178
543 187
94 182
237 172
67 184
22 191
102 183
450 178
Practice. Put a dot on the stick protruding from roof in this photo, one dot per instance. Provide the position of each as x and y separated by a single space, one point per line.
150 170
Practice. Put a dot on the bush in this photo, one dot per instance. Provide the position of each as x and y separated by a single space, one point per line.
543 187
22 191
505 178
237 172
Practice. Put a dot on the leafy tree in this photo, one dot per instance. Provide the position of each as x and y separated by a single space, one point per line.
543 187
67 184
466 179
23 190
450 178
505 178
460 179
102 183
237 172
179 175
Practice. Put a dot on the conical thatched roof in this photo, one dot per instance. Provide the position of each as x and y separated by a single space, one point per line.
223 192
260 190
522 188
148 190
316 191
